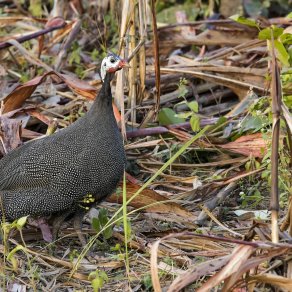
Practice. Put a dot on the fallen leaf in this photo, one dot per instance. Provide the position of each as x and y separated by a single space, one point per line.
16 98
9 134
156 202
248 145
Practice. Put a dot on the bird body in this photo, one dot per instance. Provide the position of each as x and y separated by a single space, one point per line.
54 173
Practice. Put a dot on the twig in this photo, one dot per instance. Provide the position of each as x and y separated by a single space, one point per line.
34 35
162 130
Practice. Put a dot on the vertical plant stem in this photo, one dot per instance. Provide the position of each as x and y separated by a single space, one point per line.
133 69
142 52
125 223
119 94
276 108
156 56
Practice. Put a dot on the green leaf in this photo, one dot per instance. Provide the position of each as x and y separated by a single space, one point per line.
221 121
97 278
103 275
75 55
195 123
289 15
282 53
253 123
97 284
99 223
182 91
266 34
15 250
167 116
247 21
194 106
288 101
102 216
108 233
21 222
94 54
286 38
96 225
184 115
35 7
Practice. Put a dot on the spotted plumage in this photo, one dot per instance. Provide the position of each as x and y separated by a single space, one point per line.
55 173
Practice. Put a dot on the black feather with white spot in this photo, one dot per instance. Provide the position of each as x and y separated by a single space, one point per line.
54 173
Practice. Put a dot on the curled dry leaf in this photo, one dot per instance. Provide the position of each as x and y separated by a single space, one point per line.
56 21
253 144
16 98
279 281
39 116
240 254
9 134
195 272
155 202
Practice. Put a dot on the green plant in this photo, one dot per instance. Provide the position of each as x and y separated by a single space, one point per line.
75 54
99 223
98 278
120 256
147 281
11 255
252 199
280 39
193 106
73 255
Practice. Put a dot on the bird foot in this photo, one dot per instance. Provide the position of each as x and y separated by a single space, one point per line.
77 224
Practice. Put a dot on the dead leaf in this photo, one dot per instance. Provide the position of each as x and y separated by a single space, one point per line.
195 272
281 282
55 21
248 145
240 254
156 202
16 98
9 134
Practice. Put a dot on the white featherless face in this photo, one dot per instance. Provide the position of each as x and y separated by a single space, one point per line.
110 64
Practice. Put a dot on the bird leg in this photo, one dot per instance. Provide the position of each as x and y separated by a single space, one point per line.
78 212
77 225
58 221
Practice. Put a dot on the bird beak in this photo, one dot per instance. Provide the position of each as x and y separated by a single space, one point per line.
123 64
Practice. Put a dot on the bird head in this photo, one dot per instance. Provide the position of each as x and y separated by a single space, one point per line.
111 63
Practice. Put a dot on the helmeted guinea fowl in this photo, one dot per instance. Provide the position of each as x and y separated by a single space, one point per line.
55 173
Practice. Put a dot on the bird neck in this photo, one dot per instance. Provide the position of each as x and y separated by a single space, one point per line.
102 105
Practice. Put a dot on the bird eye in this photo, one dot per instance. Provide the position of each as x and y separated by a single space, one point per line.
112 60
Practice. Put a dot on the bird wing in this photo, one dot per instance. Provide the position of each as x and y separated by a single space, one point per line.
35 164
65 193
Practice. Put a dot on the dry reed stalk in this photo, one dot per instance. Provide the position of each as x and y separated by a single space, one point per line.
112 6
276 94
119 95
133 69
156 56
142 52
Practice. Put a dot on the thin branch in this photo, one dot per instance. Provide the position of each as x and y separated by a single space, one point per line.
34 35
